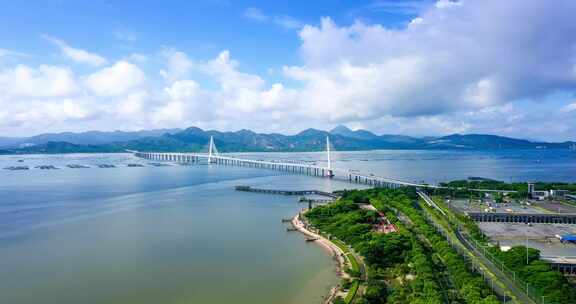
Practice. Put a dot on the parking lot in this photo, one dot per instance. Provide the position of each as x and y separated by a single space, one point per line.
540 236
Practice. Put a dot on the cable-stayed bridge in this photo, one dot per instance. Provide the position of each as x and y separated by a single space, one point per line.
213 157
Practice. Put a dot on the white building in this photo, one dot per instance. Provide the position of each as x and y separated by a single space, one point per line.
558 193
539 195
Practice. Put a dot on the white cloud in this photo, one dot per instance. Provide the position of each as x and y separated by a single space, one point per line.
241 91
67 109
415 22
77 55
569 108
183 102
468 66
41 113
115 80
136 58
171 113
10 53
132 106
125 35
286 22
44 81
235 95
255 14
178 64
409 7
447 3
183 90
455 58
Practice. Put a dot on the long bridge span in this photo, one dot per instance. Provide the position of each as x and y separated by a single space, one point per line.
286 166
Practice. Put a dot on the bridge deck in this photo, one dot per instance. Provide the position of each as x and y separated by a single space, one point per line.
300 168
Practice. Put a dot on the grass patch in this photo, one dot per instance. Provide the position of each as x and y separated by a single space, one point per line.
352 292
353 262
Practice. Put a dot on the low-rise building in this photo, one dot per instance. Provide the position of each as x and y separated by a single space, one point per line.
558 193
539 195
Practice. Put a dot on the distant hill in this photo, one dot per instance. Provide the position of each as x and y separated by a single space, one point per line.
358 134
196 139
480 141
54 147
83 138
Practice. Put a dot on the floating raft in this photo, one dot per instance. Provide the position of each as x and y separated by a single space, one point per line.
46 167
16 168
74 166
106 166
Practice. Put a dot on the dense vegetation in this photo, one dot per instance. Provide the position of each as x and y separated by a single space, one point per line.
415 265
471 288
549 283
521 188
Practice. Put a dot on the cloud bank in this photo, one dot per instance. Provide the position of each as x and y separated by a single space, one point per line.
506 67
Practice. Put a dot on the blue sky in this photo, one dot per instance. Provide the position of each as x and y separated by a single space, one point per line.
200 28
408 67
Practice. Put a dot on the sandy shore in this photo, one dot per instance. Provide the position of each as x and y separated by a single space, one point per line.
336 253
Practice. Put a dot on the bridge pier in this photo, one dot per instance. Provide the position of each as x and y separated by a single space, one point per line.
290 167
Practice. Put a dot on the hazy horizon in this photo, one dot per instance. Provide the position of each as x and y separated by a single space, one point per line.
289 133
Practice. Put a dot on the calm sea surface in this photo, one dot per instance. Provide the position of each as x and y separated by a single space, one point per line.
181 234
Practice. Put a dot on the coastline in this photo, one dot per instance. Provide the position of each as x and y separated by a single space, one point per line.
331 248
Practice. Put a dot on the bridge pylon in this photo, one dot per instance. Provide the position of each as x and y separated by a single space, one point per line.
211 149
328 158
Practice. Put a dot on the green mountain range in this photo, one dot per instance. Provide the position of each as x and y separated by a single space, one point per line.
195 139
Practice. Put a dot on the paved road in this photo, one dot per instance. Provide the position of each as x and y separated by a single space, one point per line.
495 270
